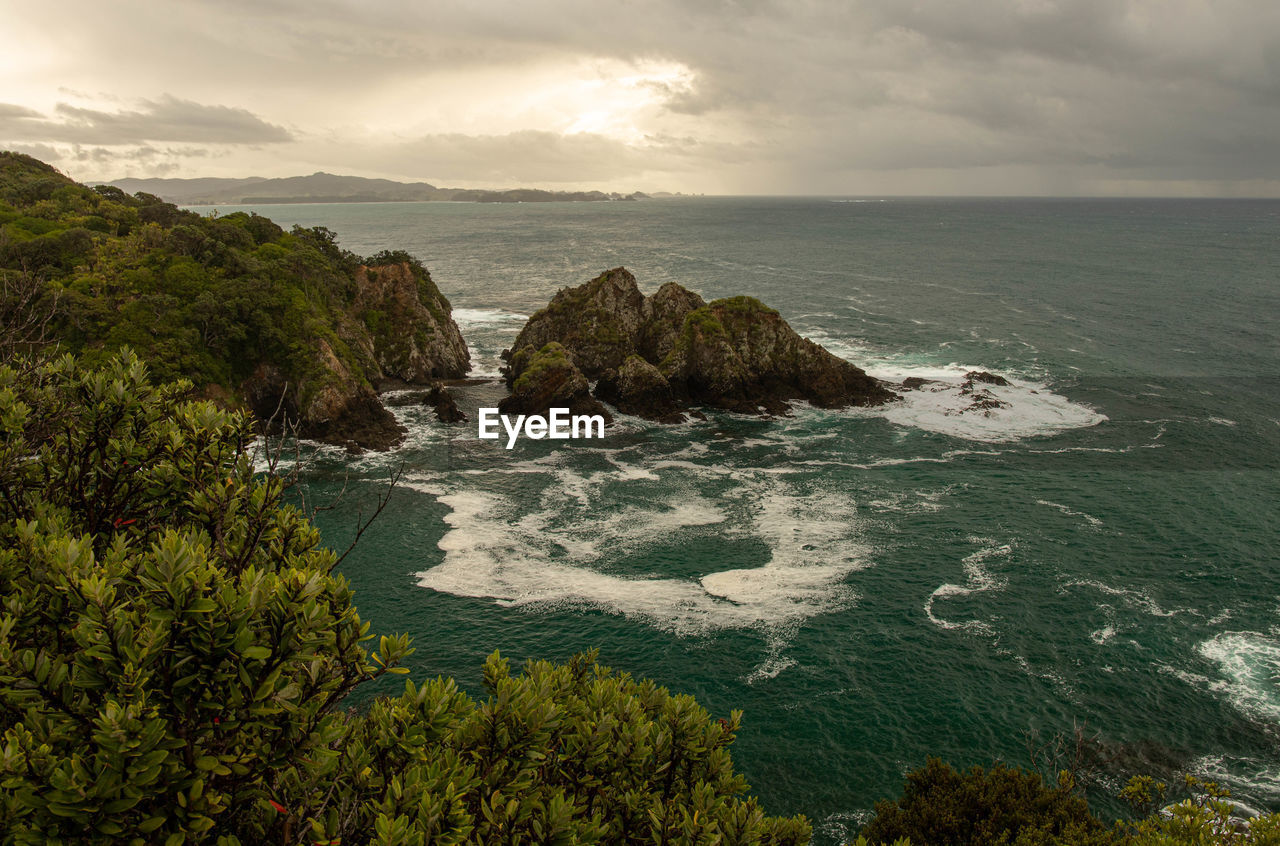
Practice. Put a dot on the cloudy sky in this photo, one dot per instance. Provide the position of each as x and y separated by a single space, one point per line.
1147 97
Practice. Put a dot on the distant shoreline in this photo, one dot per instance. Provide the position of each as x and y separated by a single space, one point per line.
332 188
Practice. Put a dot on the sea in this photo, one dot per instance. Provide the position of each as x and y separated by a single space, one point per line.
1089 574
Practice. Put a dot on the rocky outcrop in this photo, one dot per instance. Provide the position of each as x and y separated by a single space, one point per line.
397 329
444 406
332 405
639 388
549 379
654 356
598 322
437 398
985 378
739 354
981 399
409 331
667 309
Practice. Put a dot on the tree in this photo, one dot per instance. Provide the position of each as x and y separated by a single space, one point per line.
27 308
940 806
175 651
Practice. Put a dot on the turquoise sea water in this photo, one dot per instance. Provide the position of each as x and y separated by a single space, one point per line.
873 587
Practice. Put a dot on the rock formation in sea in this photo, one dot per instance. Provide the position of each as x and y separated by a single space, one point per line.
656 356
411 334
436 397
547 378
980 399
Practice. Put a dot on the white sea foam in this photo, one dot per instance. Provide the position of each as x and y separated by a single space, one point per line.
939 406
1134 598
1102 635
773 664
1247 776
541 557
1088 518
485 322
977 580
466 317
1250 663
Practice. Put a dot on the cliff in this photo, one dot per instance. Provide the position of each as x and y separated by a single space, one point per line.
410 332
656 356
286 324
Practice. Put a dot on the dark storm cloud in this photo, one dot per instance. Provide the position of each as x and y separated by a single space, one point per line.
167 118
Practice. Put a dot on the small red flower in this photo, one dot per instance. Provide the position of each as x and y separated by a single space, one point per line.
277 806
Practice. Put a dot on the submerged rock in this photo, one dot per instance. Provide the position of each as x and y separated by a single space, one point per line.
985 378
437 397
654 356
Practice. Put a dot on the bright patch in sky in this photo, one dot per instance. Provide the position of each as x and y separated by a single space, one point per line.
607 97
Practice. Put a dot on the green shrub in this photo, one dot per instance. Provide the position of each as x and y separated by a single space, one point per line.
1205 818
175 652
941 806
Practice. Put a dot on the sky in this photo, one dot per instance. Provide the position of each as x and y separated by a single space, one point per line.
860 97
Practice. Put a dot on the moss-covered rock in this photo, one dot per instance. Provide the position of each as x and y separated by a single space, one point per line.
637 387
549 379
655 355
738 353
597 323
667 310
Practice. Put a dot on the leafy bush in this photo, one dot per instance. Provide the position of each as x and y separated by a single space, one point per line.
175 651
1206 817
941 806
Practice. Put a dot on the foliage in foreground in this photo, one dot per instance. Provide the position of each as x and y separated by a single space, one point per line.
174 653
1004 806
941 806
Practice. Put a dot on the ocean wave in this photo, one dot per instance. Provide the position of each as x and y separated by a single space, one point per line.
1133 597
1249 777
939 405
1250 664
485 316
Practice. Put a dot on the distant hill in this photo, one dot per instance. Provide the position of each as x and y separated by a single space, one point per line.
332 188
